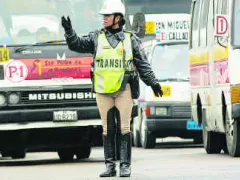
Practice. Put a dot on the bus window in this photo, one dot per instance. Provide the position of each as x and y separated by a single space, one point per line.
224 7
195 24
217 6
203 23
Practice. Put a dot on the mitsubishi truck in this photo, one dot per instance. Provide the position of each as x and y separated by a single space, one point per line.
46 100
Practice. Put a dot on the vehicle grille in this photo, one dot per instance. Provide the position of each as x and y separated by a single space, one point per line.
181 111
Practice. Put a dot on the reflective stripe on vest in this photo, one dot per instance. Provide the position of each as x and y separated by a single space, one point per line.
109 66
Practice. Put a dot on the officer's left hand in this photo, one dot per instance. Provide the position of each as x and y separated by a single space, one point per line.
157 90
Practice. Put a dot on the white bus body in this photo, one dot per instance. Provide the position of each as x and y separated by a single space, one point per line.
214 73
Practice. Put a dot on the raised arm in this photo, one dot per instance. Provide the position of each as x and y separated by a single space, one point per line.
84 44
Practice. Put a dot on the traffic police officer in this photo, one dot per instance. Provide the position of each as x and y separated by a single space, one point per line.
115 52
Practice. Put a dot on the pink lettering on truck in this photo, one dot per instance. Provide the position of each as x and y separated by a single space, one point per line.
48 68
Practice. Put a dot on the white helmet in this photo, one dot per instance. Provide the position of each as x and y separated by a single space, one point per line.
112 7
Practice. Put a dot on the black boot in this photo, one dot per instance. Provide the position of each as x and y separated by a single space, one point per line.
125 155
109 154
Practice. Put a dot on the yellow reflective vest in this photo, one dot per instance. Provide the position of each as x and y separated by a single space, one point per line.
109 68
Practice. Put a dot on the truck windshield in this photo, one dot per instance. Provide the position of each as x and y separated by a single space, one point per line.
158 6
33 21
236 24
170 61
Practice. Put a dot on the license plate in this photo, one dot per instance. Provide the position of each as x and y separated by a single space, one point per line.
192 125
65 116
150 27
166 91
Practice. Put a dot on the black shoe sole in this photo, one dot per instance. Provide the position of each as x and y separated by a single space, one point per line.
127 175
108 175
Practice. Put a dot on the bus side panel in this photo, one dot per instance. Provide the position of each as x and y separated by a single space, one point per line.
199 79
221 85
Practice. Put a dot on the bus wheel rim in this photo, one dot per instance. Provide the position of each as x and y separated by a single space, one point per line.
229 132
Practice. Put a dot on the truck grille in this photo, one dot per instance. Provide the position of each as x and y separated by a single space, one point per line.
181 111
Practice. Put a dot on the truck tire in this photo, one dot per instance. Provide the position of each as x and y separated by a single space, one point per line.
83 152
18 154
66 154
233 137
148 140
6 153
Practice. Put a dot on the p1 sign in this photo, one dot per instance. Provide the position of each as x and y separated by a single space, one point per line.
221 25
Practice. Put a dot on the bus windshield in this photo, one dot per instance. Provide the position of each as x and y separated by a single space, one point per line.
33 21
170 61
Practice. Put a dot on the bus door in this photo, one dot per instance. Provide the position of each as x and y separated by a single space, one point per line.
199 58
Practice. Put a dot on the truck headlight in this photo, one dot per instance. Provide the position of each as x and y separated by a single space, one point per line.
161 111
13 98
2 100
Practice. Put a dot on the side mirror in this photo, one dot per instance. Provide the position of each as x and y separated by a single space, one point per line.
138 25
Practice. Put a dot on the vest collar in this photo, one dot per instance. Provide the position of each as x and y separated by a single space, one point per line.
119 34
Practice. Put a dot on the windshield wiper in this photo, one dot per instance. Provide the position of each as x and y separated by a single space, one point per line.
51 42
26 47
175 79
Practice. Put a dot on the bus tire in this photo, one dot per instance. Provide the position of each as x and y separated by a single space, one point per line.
212 141
136 135
148 140
198 139
233 137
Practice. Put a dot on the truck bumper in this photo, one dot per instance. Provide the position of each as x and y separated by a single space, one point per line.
171 127
166 124
43 118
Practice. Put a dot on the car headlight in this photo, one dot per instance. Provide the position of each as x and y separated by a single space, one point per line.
2 100
13 98
161 111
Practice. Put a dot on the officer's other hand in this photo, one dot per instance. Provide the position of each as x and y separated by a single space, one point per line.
66 23
157 90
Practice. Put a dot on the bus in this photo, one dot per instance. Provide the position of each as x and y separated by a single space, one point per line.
169 115
155 7
214 73
156 26
46 98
